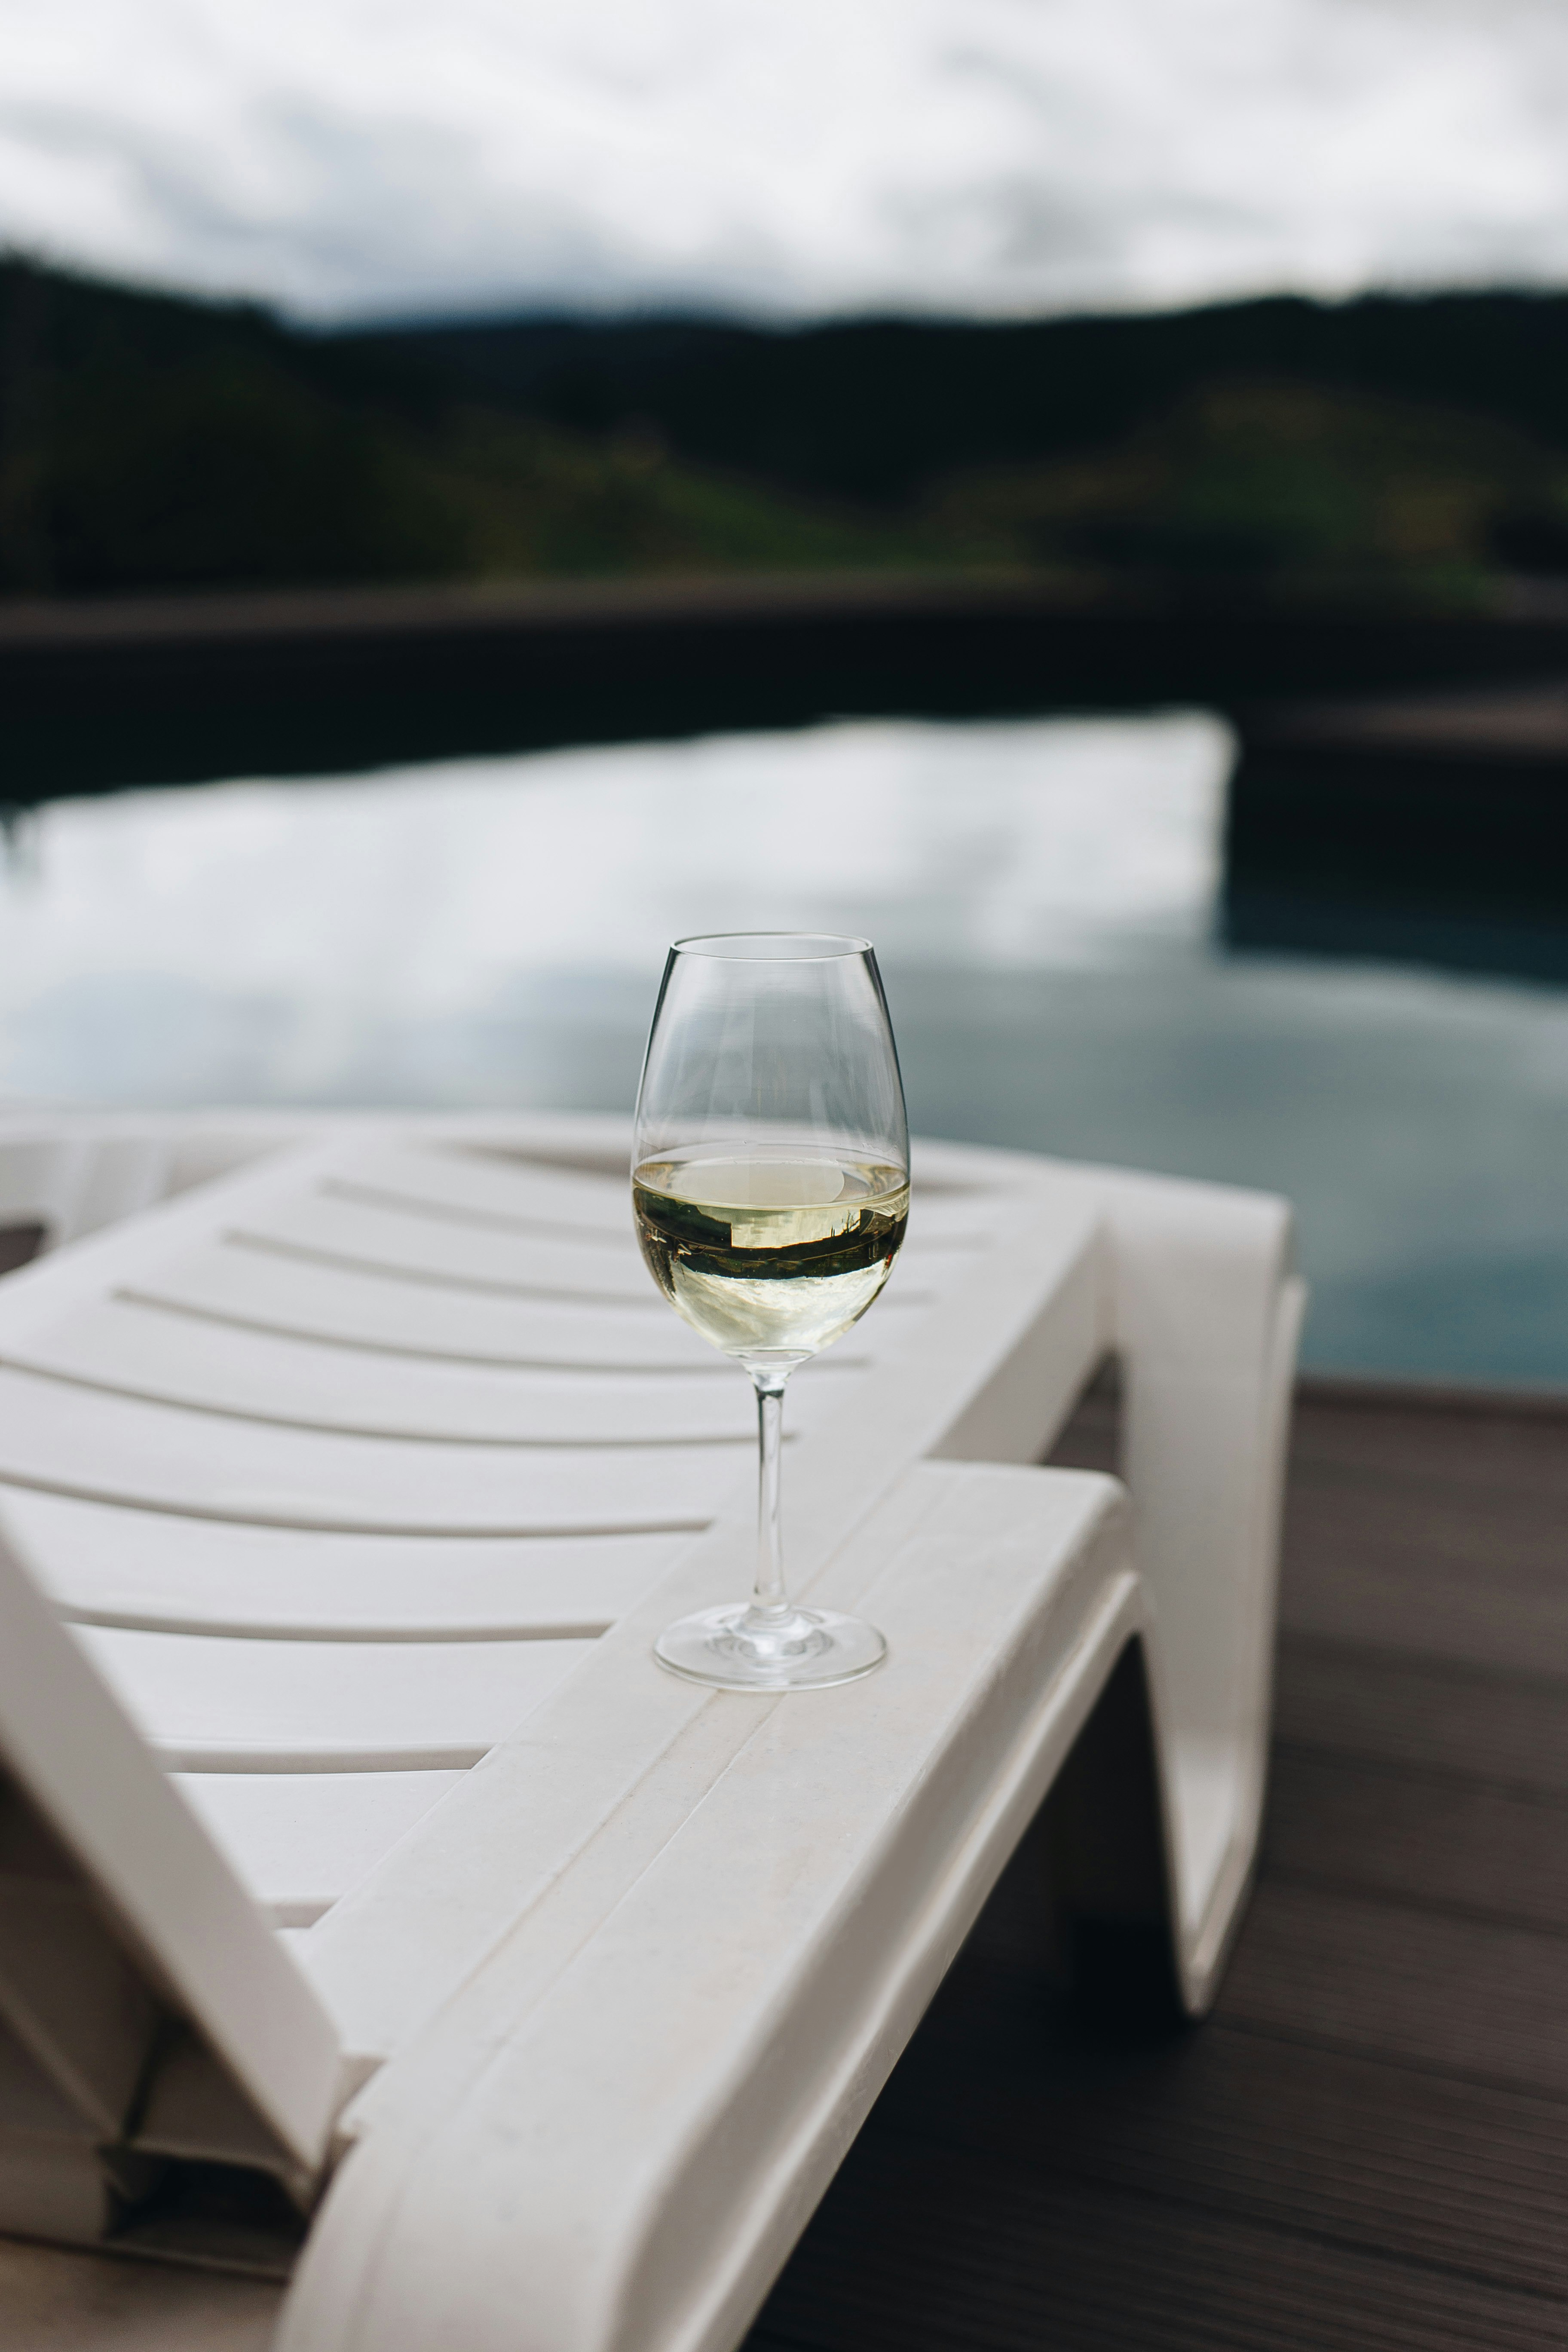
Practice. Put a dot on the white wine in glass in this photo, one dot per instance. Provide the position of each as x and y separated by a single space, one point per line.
769 1182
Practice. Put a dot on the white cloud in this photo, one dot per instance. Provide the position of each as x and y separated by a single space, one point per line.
997 156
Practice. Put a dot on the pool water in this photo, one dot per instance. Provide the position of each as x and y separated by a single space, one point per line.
1042 895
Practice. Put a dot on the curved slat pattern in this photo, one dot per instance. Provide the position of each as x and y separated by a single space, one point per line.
215 1706
362 1311
409 1247
75 1440
141 1350
157 1572
343 1308
492 1185
339 1492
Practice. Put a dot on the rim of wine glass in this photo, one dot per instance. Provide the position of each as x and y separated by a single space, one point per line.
734 946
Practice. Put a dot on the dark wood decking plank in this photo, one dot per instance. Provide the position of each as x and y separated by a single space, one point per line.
1430 1529
1451 2174
1417 1837
1508 1731
923 2248
1457 1995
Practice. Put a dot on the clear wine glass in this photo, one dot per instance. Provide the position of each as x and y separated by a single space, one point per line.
771 1187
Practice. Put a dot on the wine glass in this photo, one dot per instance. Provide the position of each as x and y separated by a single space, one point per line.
771 1187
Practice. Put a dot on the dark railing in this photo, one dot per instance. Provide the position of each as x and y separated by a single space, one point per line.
98 696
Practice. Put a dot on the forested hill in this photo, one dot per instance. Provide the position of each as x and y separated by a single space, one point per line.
1408 447
872 409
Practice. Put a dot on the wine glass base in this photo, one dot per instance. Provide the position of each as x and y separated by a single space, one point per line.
808 1649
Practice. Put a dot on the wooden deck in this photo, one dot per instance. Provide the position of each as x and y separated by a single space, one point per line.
1367 2145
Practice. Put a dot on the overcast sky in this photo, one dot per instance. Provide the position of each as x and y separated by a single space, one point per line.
382 157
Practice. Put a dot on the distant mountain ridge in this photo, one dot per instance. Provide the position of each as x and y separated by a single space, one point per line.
1411 446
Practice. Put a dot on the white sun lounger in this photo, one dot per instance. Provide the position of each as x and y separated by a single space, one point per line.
365 1477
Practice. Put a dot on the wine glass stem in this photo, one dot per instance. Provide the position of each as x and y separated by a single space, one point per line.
768 1600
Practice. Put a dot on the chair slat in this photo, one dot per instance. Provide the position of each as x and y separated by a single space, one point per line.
365 1234
70 1440
159 1570
490 1185
210 1705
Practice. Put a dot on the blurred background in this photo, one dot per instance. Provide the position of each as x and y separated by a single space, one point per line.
1076 489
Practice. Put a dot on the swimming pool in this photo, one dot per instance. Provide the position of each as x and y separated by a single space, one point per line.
1042 893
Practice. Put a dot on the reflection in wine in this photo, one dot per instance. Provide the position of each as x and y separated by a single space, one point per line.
771 1257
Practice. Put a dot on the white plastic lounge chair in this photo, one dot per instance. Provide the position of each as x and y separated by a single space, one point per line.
365 1477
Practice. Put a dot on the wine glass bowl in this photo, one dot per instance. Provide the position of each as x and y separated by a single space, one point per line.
770 1186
